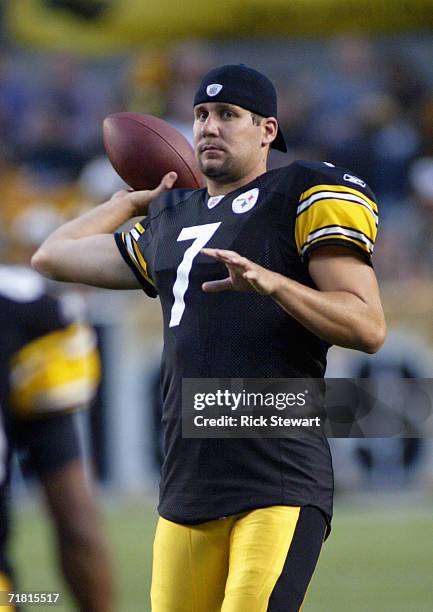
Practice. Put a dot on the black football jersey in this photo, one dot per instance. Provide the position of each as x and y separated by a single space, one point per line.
27 312
276 221
49 359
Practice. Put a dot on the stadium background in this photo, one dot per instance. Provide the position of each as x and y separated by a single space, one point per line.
355 81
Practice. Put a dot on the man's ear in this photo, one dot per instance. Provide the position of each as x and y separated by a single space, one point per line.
270 129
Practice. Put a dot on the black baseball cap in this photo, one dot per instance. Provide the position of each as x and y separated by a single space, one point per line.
241 85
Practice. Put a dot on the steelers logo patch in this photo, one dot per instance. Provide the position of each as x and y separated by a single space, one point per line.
246 201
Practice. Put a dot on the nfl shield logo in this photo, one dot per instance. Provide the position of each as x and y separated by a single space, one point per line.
214 89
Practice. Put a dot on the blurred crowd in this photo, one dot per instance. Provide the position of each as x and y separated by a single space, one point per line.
364 104
351 101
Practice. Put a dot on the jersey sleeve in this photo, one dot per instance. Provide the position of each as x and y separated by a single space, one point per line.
53 362
56 372
128 244
335 208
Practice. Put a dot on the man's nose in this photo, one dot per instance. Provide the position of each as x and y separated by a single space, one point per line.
210 126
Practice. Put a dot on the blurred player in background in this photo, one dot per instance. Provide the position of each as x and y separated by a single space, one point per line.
49 367
5 572
242 520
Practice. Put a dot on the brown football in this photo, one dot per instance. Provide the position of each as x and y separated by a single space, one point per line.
143 148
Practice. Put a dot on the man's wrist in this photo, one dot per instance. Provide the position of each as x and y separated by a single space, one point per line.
279 281
128 205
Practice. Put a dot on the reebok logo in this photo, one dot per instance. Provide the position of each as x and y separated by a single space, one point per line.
354 179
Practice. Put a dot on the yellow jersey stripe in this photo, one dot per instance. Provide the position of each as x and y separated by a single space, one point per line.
342 213
333 196
142 264
339 189
359 244
136 257
139 227
335 230
127 241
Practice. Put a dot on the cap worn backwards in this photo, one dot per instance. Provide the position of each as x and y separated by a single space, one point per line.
243 86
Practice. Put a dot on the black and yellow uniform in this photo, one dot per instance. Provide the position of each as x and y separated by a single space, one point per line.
275 221
48 367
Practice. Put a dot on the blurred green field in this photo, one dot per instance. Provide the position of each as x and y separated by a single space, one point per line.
379 557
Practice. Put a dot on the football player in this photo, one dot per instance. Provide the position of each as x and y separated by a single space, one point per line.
258 274
49 367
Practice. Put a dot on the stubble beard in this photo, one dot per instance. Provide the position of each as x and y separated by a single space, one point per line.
220 173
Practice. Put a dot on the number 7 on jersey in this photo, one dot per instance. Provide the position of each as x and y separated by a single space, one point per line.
202 235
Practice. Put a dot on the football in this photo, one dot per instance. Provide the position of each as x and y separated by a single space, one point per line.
143 148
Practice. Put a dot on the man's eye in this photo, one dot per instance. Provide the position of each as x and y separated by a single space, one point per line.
201 116
228 114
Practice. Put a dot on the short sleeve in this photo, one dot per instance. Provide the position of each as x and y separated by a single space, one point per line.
128 244
336 214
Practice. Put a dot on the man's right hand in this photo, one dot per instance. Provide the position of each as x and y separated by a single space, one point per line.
140 200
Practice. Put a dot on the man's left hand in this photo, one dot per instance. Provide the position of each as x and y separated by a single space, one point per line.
244 275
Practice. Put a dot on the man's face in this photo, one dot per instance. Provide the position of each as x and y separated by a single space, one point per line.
228 143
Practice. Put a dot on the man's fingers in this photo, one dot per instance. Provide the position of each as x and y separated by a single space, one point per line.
167 182
216 286
219 253
228 257
142 198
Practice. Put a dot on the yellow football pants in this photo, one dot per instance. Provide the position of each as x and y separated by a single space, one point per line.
5 588
227 565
